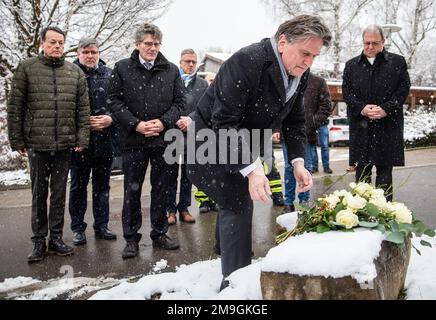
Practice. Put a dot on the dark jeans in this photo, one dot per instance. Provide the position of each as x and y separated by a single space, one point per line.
135 163
81 166
48 169
383 178
291 183
185 188
323 136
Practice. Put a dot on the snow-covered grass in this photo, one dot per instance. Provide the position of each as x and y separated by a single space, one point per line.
420 127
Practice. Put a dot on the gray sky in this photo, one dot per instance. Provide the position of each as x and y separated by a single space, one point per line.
200 24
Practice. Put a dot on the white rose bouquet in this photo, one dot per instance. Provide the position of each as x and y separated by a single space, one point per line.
363 206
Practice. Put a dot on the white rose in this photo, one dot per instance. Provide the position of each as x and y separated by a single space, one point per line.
377 193
347 218
332 200
354 203
401 213
353 185
379 202
341 193
363 188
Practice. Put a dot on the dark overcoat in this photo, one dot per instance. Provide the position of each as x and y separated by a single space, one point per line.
137 94
100 143
318 106
248 93
386 83
193 92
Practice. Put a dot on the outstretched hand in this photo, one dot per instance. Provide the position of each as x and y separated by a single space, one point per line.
303 177
258 185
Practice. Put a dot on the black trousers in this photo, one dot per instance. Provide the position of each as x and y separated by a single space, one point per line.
82 164
185 188
233 238
383 178
48 169
135 163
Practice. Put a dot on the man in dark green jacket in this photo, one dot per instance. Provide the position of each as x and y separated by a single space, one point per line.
48 115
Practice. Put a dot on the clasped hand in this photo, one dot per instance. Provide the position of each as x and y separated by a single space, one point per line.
150 128
374 112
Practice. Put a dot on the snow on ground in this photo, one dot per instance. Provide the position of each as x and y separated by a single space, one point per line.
13 283
201 280
18 177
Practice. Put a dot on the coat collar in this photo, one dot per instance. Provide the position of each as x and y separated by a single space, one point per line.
160 63
384 55
273 68
100 67
53 62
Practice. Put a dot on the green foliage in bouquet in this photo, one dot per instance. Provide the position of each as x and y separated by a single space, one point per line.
364 206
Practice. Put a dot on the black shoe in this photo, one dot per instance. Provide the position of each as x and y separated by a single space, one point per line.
278 199
131 250
79 238
224 284
58 247
204 207
315 170
288 208
213 206
165 242
328 170
105 233
38 252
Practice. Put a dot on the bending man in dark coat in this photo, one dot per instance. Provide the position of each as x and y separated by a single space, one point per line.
375 85
259 87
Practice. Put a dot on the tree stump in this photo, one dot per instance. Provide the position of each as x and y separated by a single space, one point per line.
391 266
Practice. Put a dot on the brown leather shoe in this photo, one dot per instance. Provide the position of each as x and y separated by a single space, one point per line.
185 216
172 219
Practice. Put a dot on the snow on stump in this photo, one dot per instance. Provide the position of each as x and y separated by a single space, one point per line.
335 265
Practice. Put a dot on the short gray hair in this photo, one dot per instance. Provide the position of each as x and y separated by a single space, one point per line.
303 27
147 28
187 51
84 42
373 29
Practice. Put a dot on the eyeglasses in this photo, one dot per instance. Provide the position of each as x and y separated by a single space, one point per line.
86 52
189 61
149 44
373 43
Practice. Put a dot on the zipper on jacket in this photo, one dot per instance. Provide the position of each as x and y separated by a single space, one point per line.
56 106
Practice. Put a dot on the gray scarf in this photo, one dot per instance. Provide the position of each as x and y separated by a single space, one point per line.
291 84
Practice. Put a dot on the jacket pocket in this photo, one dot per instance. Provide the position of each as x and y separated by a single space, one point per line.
28 124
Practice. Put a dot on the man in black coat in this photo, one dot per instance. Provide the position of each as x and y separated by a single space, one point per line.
146 98
194 90
259 88
98 157
375 85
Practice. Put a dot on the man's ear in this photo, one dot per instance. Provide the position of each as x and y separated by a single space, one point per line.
282 41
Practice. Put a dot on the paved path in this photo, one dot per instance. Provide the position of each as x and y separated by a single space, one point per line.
415 186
